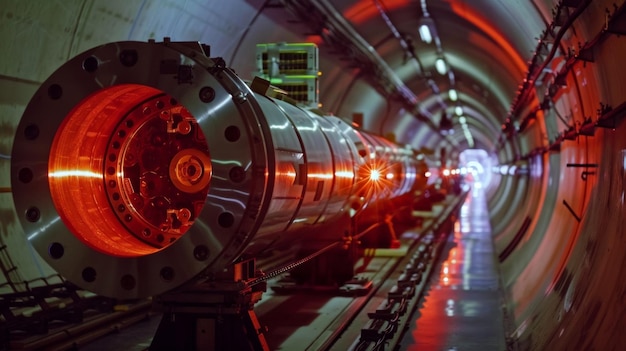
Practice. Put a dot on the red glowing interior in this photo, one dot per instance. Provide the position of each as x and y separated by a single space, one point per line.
129 170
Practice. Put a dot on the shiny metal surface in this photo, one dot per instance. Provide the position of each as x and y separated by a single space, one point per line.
234 137
318 319
463 308
490 44
156 166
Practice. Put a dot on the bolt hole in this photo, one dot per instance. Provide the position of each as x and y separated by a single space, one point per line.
128 282
129 57
207 94
232 133
31 132
55 92
226 219
89 274
90 64
167 273
56 250
237 174
25 175
33 214
201 252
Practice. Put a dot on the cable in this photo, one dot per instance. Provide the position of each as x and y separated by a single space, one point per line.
290 266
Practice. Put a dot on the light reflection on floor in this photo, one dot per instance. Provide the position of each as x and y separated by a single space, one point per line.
462 308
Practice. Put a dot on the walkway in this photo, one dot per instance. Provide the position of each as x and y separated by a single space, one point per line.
462 308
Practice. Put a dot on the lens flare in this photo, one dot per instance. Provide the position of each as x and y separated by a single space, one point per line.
374 175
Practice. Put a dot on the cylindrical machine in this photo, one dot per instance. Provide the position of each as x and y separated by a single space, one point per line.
138 167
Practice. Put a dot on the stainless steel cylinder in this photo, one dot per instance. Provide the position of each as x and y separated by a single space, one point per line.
138 167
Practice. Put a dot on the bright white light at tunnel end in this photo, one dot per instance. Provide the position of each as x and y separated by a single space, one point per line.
475 165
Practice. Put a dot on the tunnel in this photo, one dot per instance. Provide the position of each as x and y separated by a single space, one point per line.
526 98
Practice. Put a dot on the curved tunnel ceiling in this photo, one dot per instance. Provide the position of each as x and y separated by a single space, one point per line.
556 214
485 52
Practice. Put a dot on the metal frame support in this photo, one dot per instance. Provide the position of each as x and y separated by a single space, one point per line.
215 315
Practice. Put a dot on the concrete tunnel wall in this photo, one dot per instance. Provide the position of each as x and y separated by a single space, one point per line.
564 279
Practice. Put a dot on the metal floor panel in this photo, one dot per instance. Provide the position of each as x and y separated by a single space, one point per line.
463 308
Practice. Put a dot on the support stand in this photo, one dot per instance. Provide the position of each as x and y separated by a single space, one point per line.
215 315
332 272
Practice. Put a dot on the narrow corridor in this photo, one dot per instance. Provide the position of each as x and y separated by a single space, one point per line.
462 308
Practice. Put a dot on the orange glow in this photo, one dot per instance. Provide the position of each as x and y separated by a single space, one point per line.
101 140
433 324
445 274
372 182
466 12
450 267
344 174
364 10
321 175
315 39
75 173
